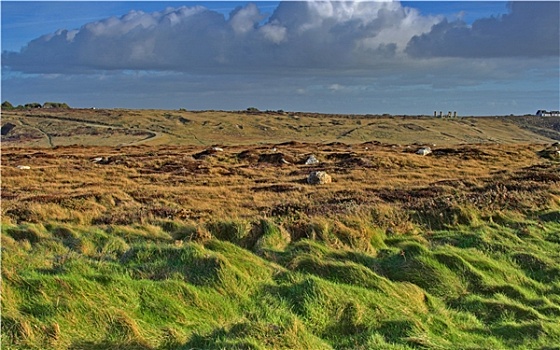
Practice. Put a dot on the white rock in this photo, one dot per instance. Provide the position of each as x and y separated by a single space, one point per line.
217 149
319 178
311 160
424 151
97 159
23 167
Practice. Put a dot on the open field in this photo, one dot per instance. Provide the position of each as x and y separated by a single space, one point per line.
60 127
155 240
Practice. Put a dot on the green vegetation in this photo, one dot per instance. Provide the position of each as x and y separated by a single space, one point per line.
6 105
182 245
56 105
259 286
32 105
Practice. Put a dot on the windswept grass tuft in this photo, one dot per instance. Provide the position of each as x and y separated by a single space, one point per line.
136 287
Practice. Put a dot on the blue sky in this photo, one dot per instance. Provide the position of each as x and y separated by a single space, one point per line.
478 58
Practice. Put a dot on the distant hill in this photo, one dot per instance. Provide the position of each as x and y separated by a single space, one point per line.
113 127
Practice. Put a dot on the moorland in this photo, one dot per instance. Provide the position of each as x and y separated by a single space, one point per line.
145 229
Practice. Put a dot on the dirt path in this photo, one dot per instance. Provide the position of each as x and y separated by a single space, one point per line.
152 135
47 135
347 133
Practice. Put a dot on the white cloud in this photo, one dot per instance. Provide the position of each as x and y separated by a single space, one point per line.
307 35
274 32
531 29
245 19
335 87
322 56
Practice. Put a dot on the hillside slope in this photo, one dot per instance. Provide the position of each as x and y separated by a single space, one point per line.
48 128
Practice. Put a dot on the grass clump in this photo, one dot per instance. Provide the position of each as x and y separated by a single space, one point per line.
263 284
236 231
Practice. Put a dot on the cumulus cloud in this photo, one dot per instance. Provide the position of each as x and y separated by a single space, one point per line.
311 34
245 19
531 29
331 56
274 32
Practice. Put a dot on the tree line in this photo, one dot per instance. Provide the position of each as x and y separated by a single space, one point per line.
6 105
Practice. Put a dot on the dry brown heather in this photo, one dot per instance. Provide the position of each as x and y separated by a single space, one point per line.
147 184
167 172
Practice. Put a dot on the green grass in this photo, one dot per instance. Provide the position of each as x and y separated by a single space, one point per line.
235 284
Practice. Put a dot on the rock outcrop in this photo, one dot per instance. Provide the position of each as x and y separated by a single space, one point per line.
319 178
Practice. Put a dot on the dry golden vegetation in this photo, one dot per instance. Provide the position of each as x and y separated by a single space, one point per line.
180 230
52 127
144 184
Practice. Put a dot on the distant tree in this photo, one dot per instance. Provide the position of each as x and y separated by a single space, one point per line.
32 105
253 109
7 105
55 105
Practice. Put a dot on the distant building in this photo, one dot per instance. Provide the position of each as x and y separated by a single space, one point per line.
545 113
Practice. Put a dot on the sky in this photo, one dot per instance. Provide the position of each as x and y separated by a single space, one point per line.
355 57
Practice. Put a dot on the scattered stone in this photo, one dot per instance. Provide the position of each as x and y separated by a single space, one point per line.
311 160
23 167
424 151
319 178
101 160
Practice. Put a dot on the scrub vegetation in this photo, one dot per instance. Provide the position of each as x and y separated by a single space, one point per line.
226 246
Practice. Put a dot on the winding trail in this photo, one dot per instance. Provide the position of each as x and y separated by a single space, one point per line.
347 133
152 135
47 135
